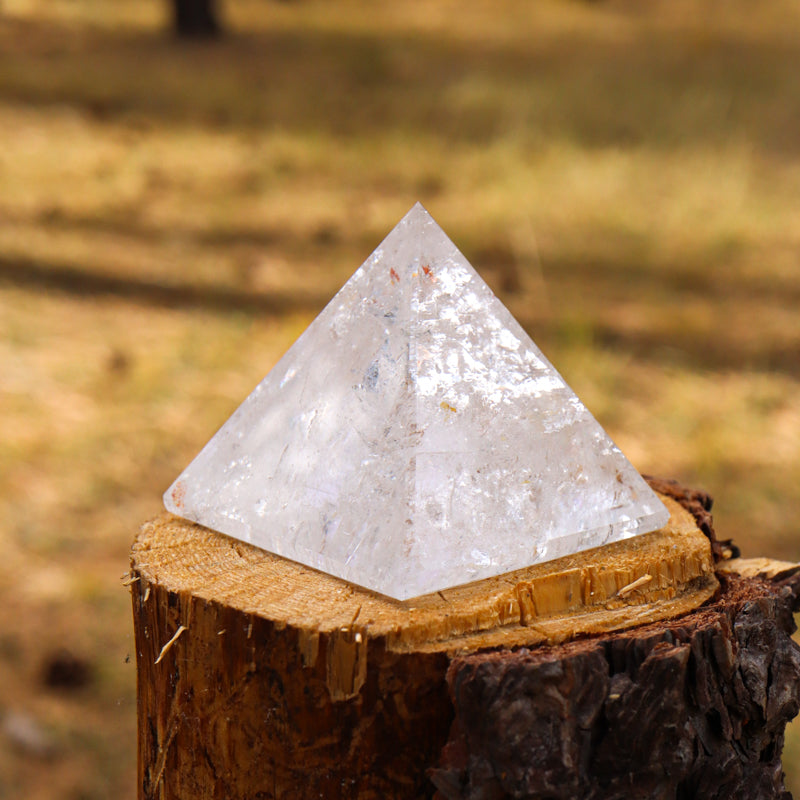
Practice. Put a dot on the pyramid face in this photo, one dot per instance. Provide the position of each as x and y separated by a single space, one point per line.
414 438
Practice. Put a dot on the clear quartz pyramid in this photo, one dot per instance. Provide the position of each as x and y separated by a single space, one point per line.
415 438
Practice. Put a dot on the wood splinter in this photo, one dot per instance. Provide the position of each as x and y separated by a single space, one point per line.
166 647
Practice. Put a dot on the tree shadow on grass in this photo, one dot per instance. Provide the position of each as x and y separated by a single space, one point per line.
649 92
714 354
643 91
77 282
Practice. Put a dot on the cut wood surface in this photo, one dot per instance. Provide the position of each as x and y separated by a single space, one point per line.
760 568
261 678
649 577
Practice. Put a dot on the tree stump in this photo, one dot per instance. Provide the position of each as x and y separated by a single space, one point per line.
628 671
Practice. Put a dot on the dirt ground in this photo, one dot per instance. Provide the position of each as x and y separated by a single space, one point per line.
172 216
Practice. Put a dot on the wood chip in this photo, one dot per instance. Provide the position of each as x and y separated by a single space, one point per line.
632 587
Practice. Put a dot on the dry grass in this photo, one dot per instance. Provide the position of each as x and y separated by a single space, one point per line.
171 217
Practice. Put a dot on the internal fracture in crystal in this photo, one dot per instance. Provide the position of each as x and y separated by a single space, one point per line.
414 438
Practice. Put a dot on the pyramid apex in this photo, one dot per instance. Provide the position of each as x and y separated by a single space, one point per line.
418 212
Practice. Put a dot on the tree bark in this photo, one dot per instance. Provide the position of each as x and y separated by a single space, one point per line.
195 18
261 678
690 708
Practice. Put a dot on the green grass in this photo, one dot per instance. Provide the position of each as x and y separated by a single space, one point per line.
626 177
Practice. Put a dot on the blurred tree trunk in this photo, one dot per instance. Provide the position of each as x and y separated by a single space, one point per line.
195 18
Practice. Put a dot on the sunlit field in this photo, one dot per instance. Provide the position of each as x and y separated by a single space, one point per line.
626 177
